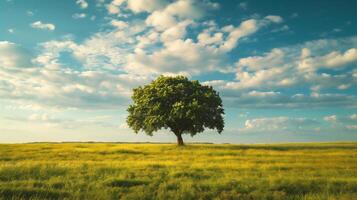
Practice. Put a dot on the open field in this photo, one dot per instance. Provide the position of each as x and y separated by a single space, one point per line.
165 171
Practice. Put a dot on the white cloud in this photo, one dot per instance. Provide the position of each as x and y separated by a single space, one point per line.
79 15
161 20
113 7
11 30
351 127
331 118
119 24
138 6
278 123
44 26
175 32
344 86
177 11
82 4
274 18
331 60
353 117
179 56
263 94
246 28
272 59
206 38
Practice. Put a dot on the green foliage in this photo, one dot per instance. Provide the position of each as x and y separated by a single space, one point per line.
163 171
175 103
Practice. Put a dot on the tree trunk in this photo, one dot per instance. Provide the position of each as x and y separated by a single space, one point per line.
179 139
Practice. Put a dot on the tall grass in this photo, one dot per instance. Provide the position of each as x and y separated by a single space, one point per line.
165 171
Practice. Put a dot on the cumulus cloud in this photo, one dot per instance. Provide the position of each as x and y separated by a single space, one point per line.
246 28
82 4
113 7
179 56
185 56
138 6
44 26
135 6
119 24
178 11
331 60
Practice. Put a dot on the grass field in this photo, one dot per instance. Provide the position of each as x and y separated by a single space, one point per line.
165 171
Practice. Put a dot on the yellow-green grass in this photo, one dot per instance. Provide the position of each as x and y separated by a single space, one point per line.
166 171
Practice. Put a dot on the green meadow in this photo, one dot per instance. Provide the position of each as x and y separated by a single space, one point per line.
168 172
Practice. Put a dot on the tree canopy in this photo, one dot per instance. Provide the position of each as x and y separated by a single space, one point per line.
178 104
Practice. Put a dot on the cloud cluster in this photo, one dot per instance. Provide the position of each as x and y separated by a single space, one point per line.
45 80
152 46
299 125
144 39
323 68
345 122
279 123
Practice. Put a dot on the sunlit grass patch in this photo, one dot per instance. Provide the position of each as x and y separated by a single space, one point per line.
32 193
165 171
124 183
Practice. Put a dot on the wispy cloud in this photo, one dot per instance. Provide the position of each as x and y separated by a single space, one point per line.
79 15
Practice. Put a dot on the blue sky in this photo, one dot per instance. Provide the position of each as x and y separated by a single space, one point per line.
286 70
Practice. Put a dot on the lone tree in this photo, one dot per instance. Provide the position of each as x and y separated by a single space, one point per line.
178 104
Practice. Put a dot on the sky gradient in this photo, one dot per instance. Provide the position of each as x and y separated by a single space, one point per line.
286 70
